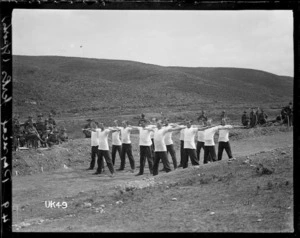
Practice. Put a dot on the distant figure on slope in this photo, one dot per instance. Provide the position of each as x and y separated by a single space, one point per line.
142 119
202 117
51 120
224 139
223 115
253 118
87 133
262 117
245 119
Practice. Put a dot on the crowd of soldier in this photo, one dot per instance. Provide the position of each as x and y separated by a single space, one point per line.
42 132
259 117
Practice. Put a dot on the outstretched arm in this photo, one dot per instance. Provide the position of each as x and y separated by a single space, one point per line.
205 127
178 128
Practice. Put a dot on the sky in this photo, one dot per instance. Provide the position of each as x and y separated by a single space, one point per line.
258 39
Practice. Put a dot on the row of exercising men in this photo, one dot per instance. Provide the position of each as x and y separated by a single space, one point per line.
155 149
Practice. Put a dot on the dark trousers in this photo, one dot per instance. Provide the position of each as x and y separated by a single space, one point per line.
182 152
145 152
161 155
152 148
221 147
171 151
114 150
190 153
106 155
127 149
200 145
94 152
209 151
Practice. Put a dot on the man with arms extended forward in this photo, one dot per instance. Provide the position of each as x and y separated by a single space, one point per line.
160 146
103 148
169 143
94 144
145 146
189 143
209 143
224 139
126 147
116 143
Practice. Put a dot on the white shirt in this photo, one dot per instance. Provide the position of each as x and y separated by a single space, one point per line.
103 139
209 136
201 136
94 137
159 139
189 138
125 135
168 138
181 134
224 133
145 139
115 138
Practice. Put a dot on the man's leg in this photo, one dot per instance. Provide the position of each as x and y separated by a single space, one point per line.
149 158
108 161
94 152
228 149
206 154
220 150
142 159
119 149
165 161
123 153
130 156
212 152
156 163
193 157
100 162
198 150
113 153
172 152
185 158
181 153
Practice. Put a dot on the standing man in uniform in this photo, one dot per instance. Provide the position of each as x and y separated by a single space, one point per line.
253 118
116 143
202 117
51 120
245 119
145 146
126 147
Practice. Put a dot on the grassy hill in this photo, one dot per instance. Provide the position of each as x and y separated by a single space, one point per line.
78 86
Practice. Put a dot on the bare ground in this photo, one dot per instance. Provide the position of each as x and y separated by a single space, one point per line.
222 196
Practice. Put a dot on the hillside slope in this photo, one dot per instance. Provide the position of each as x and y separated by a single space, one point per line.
76 85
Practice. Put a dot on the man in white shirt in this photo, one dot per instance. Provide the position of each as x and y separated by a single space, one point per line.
103 148
160 146
126 147
200 141
145 146
209 143
169 144
189 143
182 151
94 144
116 143
224 139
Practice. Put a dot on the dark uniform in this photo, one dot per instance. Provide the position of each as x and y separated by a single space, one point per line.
87 133
51 120
202 117
245 119
253 119
142 119
262 118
